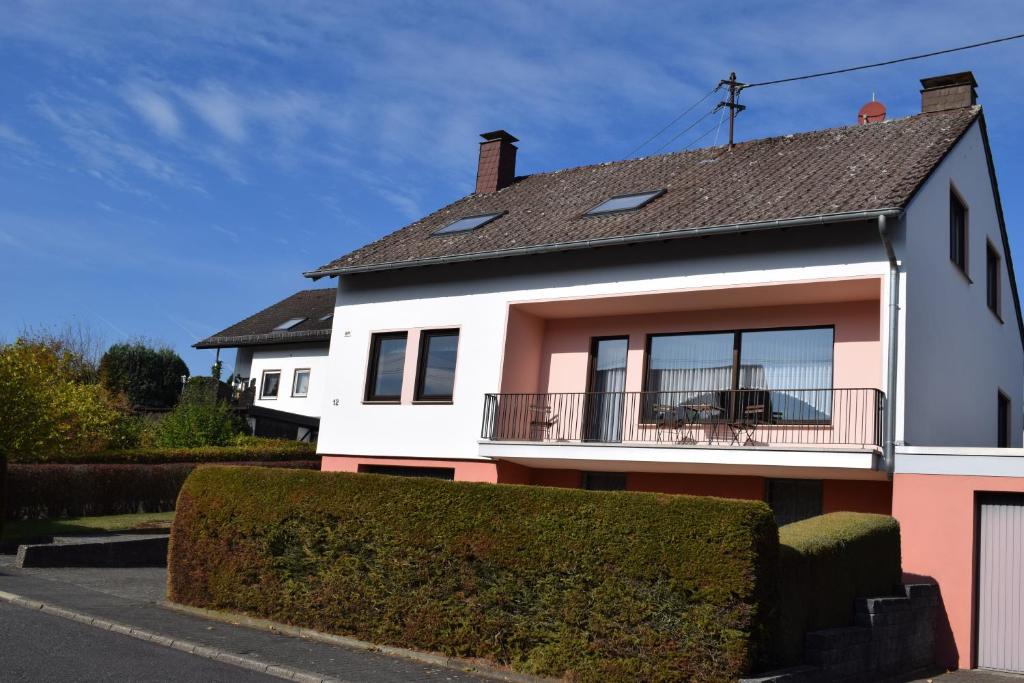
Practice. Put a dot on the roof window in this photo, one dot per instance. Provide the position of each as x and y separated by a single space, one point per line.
624 202
288 324
467 223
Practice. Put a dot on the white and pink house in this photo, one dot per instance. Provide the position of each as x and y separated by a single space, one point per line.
825 321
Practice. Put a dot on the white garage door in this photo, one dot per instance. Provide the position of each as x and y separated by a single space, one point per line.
1001 583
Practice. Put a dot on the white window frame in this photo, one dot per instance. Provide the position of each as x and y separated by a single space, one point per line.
263 385
295 382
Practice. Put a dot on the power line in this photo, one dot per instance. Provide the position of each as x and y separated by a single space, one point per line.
687 129
672 122
886 63
703 135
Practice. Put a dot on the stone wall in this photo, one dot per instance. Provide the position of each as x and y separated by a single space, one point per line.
891 637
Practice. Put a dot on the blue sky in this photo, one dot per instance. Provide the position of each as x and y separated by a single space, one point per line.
169 168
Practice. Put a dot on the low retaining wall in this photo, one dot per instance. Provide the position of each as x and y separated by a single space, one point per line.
893 637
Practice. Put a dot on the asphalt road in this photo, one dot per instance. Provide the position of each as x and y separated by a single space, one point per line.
40 647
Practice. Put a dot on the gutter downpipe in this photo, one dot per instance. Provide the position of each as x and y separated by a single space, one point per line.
889 443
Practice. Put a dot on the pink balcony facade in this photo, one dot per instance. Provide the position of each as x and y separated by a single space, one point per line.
706 368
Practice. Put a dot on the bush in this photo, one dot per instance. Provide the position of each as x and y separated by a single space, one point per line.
47 409
52 491
197 423
3 492
242 449
826 563
149 377
594 586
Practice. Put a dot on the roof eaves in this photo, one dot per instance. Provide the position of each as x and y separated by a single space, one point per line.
284 337
680 233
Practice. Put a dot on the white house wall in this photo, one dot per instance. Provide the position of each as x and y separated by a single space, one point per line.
288 358
958 354
475 298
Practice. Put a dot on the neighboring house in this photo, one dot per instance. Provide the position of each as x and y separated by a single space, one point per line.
825 321
281 363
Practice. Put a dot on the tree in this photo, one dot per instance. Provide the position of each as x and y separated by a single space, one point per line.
149 377
48 409
77 346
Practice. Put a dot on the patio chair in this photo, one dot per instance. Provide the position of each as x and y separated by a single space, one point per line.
541 422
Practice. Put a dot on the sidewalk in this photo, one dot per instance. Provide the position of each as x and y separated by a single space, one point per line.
131 597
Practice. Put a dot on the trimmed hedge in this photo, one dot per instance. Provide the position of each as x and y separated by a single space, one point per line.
3 490
251 451
41 491
826 563
589 585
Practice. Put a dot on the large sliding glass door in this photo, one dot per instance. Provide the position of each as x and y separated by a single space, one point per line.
606 388
786 374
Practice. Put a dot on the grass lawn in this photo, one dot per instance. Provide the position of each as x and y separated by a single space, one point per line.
32 528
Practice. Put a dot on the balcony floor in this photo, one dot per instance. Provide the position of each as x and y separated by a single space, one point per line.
797 461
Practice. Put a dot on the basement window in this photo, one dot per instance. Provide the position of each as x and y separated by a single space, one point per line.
288 324
468 223
624 202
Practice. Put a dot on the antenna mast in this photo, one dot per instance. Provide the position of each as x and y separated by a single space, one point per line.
733 106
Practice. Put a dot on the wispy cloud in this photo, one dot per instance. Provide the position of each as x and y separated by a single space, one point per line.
157 111
219 108
94 132
9 135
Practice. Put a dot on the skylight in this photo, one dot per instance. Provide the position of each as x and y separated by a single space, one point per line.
467 223
624 202
327 317
288 324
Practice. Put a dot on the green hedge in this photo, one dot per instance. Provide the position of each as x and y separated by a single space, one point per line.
3 491
590 585
251 450
826 563
50 491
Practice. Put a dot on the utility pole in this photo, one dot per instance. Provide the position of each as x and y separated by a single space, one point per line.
733 106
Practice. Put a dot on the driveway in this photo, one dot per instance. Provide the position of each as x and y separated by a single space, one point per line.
41 646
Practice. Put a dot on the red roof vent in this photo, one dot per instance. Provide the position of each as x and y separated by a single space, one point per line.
872 112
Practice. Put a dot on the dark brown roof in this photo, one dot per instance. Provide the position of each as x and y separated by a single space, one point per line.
258 329
829 172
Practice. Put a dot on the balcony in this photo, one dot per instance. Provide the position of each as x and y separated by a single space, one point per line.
744 418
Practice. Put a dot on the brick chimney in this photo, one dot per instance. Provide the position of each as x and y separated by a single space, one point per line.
952 91
497 168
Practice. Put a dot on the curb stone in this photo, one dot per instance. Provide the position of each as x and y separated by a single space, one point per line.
212 653
463 665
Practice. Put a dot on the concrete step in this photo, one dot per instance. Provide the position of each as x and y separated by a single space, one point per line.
106 550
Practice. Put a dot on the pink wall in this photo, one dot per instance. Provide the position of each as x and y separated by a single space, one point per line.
937 524
858 351
849 495
524 340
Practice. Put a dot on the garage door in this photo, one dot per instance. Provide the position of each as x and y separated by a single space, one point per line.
1001 583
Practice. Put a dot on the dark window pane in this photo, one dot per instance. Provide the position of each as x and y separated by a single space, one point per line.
468 223
690 362
607 382
271 382
794 499
624 202
992 280
796 366
1003 422
957 232
687 372
387 366
446 473
604 481
438 354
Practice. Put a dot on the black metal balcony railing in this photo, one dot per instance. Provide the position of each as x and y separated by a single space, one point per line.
744 417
